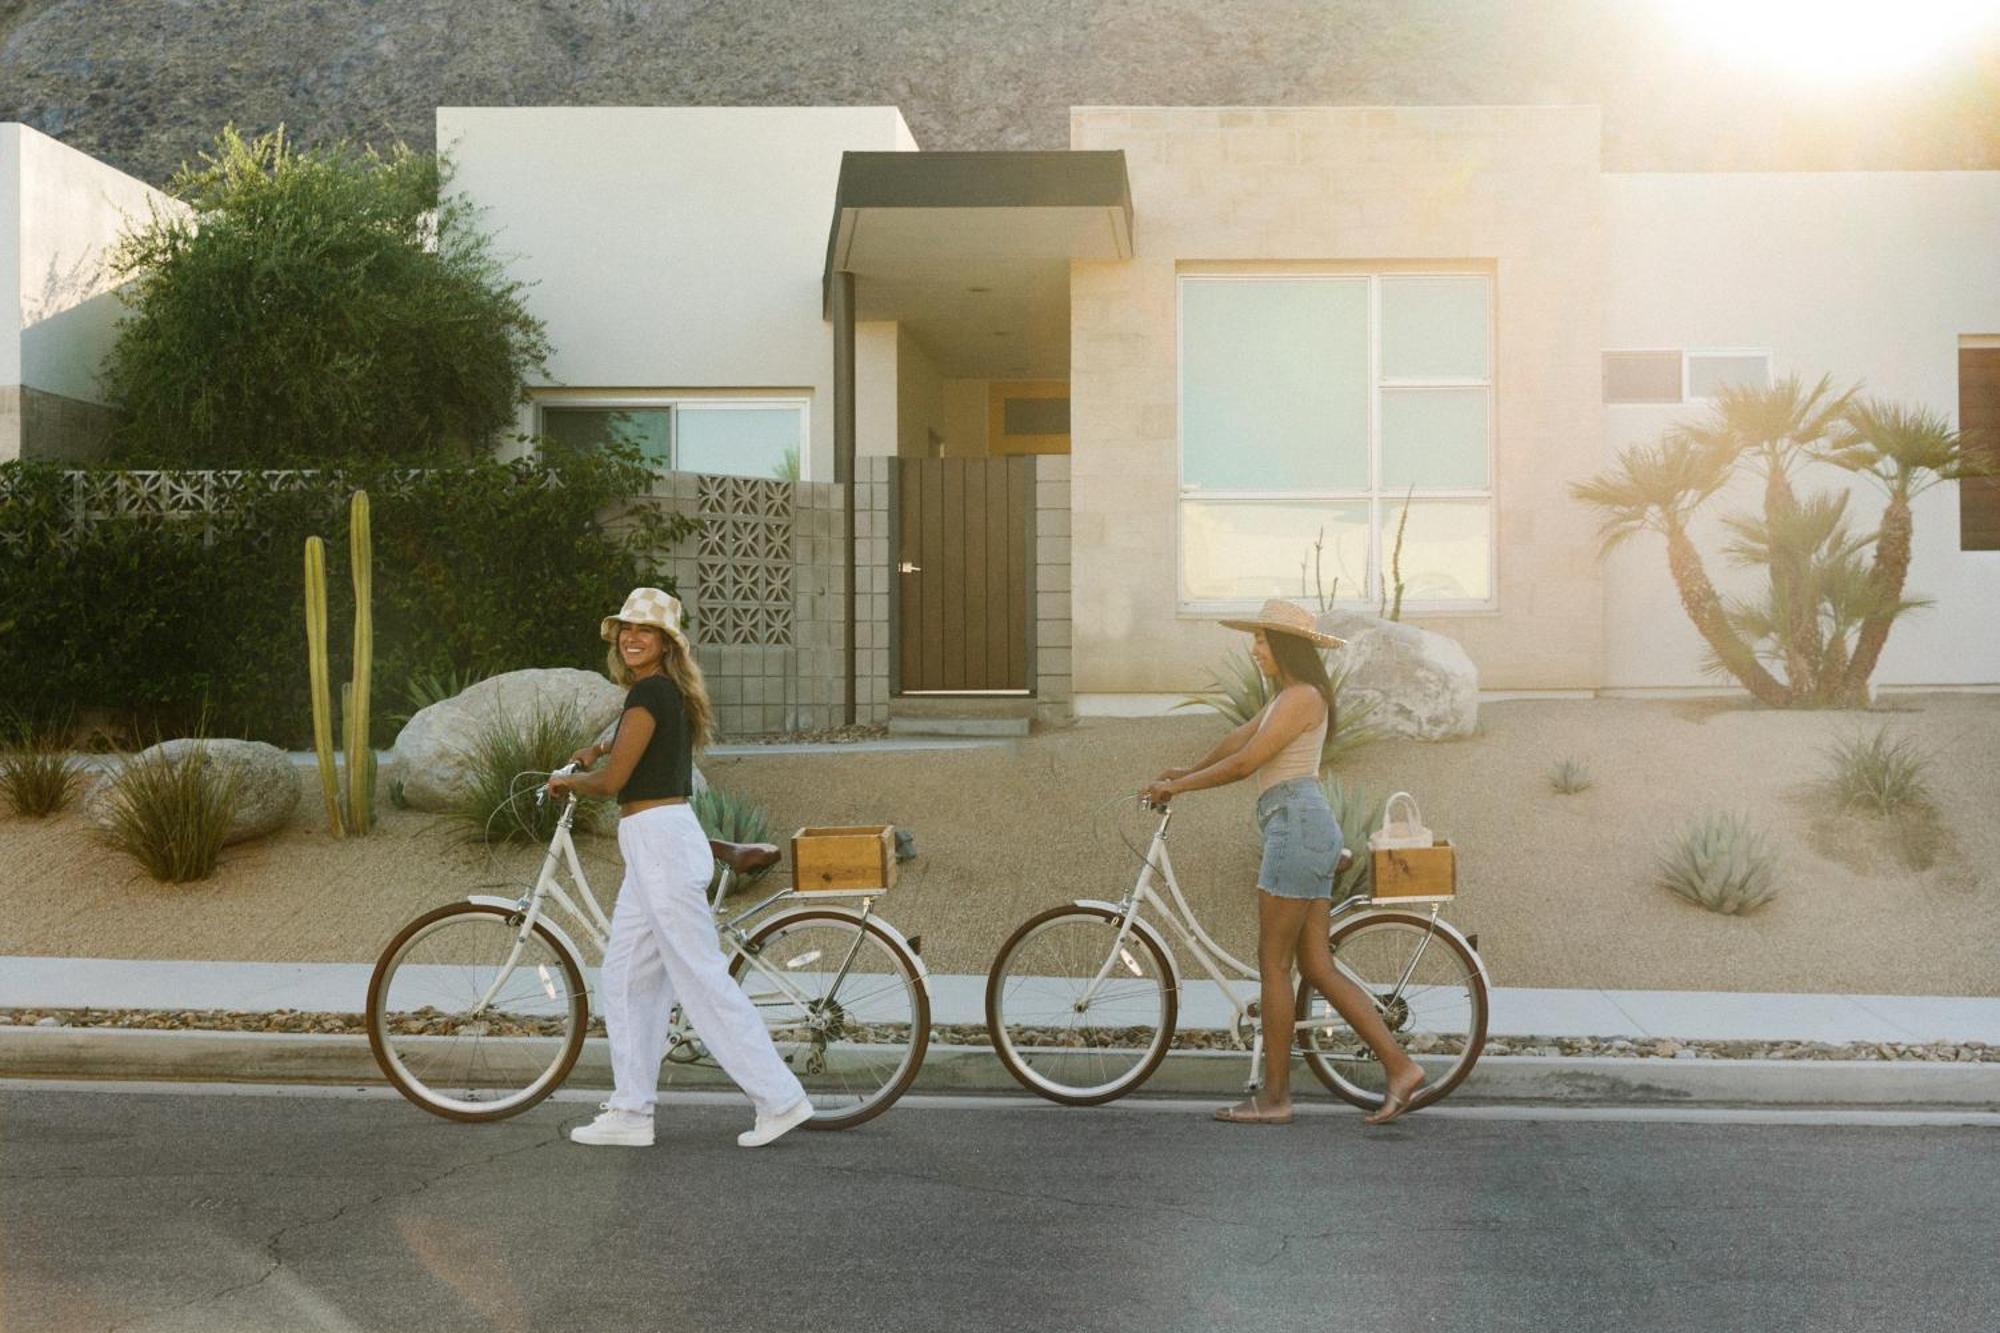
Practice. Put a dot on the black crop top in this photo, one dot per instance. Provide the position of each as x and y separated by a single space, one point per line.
666 768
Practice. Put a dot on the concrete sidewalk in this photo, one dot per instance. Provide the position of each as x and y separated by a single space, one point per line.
105 983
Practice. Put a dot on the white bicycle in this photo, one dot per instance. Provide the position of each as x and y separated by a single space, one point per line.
1083 1000
479 1009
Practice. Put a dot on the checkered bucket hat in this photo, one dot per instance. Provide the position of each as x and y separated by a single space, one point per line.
646 606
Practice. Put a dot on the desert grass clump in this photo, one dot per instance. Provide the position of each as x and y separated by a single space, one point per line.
1881 774
728 818
1721 863
1240 691
170 812
508 760
1359 815
37 774
1569 776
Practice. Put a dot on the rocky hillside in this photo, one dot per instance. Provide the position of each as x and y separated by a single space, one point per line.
144 84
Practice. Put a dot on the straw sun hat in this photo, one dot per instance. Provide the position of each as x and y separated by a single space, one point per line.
647 606
1282 617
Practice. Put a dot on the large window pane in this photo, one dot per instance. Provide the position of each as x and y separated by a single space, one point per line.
1435 439
1709 375
1250 550
594 427
1436 328
1274 385
738 441
1447 549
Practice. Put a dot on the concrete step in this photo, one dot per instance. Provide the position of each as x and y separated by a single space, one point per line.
960 715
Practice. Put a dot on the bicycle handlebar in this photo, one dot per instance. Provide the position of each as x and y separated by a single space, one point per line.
542 792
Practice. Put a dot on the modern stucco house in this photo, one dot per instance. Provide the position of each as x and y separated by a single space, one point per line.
1092 400
1245 327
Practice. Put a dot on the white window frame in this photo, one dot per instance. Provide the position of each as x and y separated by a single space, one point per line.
1687 366
672 400
1687 356
1380 543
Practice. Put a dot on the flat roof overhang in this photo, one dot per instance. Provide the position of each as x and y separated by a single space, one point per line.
971 251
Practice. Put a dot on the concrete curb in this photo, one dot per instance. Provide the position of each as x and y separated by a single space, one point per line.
275 1057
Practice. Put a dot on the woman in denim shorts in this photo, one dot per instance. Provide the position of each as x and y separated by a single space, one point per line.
1281 747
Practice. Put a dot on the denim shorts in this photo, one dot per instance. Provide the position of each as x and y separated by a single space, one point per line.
1301 840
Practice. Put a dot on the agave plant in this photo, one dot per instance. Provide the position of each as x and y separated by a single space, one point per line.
1721 863
1359 815
1567 777
1240 692
732 819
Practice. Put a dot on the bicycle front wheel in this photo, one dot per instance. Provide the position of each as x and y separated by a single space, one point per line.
473 1019
1077 1015
1429 991
846 1006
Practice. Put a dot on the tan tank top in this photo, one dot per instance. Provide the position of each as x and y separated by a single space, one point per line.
1299 758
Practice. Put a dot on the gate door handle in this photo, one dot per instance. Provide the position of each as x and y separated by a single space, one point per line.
907 568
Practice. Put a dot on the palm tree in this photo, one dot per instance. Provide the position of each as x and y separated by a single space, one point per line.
1770 429
1657 488
1906 451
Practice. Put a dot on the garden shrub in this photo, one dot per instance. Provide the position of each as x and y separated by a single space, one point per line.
487 566
38 776
1871 770
728 818
170 813
510 757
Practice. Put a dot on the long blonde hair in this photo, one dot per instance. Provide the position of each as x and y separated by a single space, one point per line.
686 675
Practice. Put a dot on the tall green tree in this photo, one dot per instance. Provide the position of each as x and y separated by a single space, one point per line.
311 305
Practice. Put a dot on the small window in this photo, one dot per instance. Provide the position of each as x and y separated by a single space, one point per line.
727 437
1642 377
1711 372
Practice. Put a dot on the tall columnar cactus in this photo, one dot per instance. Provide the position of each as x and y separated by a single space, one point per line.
322 697
356 813
354 708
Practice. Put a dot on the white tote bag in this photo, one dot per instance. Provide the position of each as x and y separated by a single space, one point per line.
1407 831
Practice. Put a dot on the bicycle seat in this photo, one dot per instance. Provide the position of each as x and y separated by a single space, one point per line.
744 857
1346 860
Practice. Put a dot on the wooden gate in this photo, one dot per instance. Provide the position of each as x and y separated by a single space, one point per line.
964 574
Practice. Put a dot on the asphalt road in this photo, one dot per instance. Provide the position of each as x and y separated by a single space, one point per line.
149 1210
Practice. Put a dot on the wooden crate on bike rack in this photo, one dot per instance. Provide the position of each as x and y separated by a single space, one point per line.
855 859
1415 874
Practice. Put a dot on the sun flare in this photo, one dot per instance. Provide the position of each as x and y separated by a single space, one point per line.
1832 40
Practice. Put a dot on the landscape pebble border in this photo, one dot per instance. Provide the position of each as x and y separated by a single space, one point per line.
1667 1048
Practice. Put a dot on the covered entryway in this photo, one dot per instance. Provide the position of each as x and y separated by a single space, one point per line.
968 255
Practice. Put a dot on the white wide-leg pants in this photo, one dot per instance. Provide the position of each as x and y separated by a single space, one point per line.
663 948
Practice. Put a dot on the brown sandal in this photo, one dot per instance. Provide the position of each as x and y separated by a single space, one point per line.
1393 1105
1249 1113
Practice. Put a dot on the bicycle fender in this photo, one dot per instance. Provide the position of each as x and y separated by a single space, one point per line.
1140 926
902 940
514 905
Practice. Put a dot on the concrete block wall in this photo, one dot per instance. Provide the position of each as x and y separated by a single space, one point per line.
761 688
1050 643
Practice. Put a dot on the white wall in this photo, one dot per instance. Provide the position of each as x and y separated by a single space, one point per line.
672 247
1862 275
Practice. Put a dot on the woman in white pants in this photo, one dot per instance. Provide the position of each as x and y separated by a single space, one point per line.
663 945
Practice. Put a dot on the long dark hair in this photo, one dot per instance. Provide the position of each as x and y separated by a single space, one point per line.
1298 660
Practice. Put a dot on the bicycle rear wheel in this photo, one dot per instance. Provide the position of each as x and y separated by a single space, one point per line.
1430 992
471 1020
1056 1034
855 1038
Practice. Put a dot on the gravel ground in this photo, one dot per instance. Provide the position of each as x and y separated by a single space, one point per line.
1663 1048
1559 888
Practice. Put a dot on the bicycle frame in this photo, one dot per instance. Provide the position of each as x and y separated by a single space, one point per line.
1212 957
595 927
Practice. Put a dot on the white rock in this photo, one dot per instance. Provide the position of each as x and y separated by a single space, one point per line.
1422 684
434 749
267 785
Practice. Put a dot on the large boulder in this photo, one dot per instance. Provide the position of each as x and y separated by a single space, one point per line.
267 783
1422 684
434 749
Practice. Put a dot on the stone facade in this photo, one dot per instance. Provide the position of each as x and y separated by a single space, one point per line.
1512 191
1049 646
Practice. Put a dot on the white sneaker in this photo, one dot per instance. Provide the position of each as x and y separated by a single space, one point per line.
770 1127
617 1129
